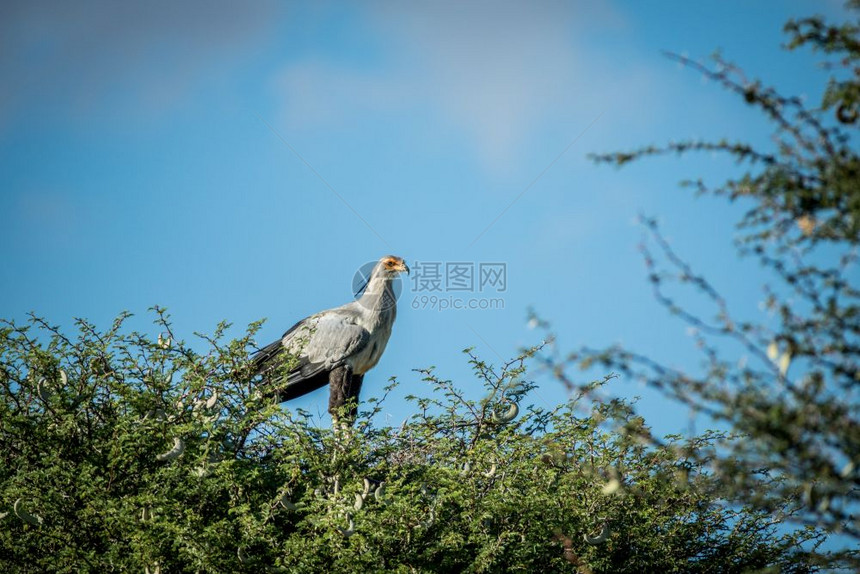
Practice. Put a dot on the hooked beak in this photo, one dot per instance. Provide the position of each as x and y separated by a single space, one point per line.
405 267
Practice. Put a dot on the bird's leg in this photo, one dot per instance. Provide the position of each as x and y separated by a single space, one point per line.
343 390
352 396
338 383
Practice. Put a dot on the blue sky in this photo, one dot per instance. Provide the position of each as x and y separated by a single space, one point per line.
142 162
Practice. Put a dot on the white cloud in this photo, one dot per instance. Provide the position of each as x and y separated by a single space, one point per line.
317 93
497 69
499 72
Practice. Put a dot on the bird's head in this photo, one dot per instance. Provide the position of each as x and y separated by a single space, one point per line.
390 266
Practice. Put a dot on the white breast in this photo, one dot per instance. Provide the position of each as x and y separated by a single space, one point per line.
368 357
380 331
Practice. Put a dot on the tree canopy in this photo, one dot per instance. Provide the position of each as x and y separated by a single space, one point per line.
122 451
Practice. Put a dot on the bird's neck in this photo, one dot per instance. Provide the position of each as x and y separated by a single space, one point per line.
378 296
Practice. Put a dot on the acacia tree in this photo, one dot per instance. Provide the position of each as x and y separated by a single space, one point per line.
128 452
786 383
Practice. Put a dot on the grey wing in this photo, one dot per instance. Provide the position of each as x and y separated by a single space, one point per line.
266 358
320 343
327 340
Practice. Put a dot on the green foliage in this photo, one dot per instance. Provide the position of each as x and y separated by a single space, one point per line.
789 392
841 94
120 452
